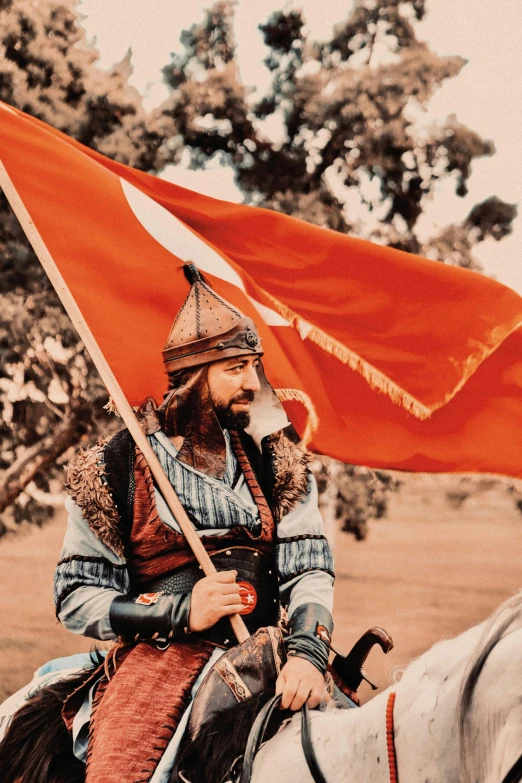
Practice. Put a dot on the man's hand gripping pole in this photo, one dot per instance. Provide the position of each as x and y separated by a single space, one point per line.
113 387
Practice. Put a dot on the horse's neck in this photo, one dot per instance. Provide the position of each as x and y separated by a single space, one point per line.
428 705
426 710
351 744
492 740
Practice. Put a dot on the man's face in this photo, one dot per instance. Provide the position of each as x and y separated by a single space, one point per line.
233 384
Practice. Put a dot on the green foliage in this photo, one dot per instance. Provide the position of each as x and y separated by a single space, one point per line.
346 107
354 494
42 368
48 71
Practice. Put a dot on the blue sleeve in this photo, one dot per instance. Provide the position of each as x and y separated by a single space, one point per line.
304 557
87 579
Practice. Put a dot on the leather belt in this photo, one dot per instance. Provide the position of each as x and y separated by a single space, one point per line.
253 568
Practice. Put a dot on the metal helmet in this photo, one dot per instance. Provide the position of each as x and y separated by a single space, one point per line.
207 329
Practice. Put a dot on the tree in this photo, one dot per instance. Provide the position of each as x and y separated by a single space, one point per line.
50 394
352 494
350 145
346 109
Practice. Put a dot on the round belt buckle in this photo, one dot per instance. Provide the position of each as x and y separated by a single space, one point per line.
248 597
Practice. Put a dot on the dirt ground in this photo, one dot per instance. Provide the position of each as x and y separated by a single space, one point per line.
425 573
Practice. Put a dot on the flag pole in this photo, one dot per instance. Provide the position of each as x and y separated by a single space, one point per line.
113 387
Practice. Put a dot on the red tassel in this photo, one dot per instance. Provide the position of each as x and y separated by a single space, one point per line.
390 740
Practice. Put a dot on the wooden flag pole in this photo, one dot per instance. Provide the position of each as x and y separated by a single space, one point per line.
113 387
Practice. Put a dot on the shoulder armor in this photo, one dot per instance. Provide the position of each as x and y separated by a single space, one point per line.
86 483
291 462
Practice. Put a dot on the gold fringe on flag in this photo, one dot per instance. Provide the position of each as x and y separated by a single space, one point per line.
375 378
312 421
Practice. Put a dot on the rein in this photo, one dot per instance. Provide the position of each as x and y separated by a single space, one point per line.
515 773
258 732
261 723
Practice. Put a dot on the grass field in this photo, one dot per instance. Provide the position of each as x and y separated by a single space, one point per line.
425 573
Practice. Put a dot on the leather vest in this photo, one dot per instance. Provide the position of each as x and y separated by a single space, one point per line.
114 488
159 559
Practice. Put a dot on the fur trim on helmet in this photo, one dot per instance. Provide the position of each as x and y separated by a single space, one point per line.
86 484
291 468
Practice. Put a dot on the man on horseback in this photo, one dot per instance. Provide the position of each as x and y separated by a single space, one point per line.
127 572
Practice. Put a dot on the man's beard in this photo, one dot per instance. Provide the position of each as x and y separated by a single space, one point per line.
230 420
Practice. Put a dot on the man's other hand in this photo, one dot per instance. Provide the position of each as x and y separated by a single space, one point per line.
299 682
214 597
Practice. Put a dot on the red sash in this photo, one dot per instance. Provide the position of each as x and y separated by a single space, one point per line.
136 713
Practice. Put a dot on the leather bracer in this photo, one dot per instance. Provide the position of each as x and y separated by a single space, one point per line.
310 627
150 616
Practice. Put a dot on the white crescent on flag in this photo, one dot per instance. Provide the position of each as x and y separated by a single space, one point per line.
178 239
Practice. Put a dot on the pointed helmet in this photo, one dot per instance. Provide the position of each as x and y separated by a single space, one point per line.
207 328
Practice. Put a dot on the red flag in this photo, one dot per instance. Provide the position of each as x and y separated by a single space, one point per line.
407 363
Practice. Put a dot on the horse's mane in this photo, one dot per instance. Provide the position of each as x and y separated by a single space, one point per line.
37 746
495 629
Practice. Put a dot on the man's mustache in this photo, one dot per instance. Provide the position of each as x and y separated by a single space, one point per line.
245 396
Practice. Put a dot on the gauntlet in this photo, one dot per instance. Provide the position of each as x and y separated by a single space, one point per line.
310 627
150 616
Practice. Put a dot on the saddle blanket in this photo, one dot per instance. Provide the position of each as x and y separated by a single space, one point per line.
60 668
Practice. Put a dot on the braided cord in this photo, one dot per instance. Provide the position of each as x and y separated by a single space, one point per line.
390 740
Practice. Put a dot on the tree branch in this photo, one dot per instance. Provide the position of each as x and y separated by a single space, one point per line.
36 458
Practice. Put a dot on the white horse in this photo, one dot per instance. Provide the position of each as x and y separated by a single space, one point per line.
457 718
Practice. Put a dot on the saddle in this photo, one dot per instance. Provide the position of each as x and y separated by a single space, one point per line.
250 670
258 733
243 672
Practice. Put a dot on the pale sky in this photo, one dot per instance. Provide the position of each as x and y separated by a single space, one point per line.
486 96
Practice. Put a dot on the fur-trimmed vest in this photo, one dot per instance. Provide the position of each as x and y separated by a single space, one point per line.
113 486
